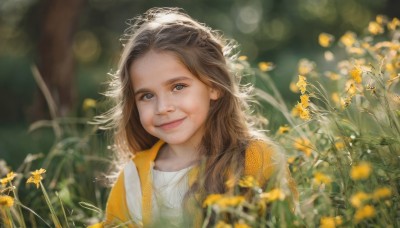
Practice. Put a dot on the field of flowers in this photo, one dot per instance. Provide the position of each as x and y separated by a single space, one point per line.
342 140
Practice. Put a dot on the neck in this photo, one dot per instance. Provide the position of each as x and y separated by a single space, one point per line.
182 151
176 157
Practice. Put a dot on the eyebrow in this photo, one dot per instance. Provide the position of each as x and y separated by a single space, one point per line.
177 79
168 82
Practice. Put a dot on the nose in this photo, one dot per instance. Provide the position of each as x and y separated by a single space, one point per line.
164 105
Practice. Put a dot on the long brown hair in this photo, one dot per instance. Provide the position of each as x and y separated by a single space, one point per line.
208 56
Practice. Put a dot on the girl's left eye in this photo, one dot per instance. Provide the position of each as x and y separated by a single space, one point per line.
179 87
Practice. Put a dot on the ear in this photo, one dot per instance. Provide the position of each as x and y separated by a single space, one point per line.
214 93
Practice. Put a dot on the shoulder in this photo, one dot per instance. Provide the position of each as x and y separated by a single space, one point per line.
118 188
116 207
266 161
257 146
149 155
261 151
263 158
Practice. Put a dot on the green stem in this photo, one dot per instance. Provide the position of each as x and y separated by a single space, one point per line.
53 213
21 220
207 220
9 217
63 210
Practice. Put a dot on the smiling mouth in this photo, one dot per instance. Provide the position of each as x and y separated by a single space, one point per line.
171 125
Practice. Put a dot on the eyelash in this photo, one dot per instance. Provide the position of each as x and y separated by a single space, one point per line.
180 85
174 89
143 97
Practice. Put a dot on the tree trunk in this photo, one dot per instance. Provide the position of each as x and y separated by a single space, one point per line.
55 57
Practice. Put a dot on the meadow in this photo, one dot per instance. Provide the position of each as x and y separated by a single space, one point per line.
342 144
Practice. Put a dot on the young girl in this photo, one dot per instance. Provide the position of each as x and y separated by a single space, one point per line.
183 117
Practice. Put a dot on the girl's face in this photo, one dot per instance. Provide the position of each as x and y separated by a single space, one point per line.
173 104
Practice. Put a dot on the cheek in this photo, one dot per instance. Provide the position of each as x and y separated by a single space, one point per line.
198 107
144 115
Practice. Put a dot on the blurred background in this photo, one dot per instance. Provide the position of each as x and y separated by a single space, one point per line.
75 43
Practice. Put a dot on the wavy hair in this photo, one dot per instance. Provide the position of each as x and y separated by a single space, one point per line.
230 125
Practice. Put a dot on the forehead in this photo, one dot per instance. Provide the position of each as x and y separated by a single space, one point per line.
157 67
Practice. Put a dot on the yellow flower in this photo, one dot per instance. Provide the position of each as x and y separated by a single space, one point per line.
302 84
241 225
211 199
305 66
299 110
336 98
283 129
338 220
88 103
266 66
351 89
339 145
6 201
332 75
305 114
330 222
222 224
230 201
325 39
393 24
36 177
293 87
345 102
248 182
381 193
10 176
381 19
304 99
348 39
273 195
303 145
291 159
222 201
97 225
364 212
390 67
358 199
242 58
320 178
3 182
375 28
361 171
356 75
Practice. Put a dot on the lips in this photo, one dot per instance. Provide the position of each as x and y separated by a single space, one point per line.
171 125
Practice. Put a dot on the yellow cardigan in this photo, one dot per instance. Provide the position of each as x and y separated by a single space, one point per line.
259 162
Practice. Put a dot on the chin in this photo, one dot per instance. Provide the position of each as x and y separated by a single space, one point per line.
175 140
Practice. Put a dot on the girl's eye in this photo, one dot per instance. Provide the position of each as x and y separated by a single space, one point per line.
179 87
146 96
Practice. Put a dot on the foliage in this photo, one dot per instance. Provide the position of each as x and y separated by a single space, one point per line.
343 135
72 169
342 138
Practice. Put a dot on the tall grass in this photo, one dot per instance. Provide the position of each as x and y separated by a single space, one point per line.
342 140
73 182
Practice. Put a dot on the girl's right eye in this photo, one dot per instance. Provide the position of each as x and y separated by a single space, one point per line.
146 96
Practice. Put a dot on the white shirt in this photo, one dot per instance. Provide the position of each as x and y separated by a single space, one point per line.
169 189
